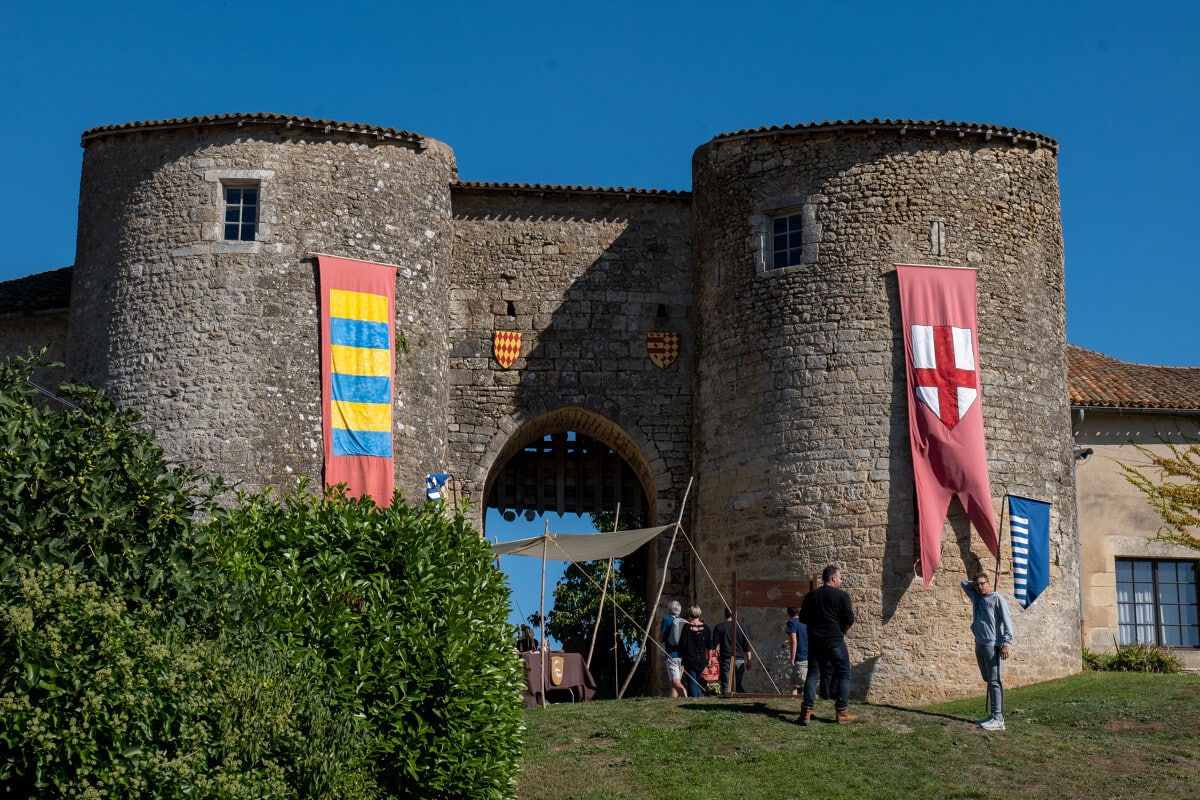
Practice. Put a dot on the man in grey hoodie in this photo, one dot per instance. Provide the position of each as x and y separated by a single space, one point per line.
992 626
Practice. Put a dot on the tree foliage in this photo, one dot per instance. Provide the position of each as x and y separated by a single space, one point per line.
1171 482
404 613
85 485
102 702
153 644
577 602
113 681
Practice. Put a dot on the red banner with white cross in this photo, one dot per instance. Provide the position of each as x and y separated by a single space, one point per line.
945 416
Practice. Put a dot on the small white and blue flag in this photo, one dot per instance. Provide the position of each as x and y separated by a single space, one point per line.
434 482
1030 527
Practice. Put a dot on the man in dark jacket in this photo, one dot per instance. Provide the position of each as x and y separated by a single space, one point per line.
734 648
828 613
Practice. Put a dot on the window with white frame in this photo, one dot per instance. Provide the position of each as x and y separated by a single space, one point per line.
241 212
1157 602
786 233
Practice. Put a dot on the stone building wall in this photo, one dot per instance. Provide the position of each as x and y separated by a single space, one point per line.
802 436
20 333
216 342
586 274
787 401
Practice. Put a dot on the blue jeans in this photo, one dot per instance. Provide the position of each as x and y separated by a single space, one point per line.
988 656
739 669
694 683
828 651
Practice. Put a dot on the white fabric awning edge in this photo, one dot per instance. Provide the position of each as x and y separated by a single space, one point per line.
580 546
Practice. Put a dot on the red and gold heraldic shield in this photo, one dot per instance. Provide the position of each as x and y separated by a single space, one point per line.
663 348
506 346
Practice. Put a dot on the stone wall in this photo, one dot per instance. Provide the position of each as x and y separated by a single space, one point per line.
787 401
216 342
802 436
585 275
20 333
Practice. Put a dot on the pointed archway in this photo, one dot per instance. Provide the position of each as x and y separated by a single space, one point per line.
573 461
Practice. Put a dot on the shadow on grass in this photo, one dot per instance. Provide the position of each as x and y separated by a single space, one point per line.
921 712
743 707
763 709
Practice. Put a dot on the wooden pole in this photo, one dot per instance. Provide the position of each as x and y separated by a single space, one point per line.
603 594
542 608
999 532
732 674
599 614
616 653
658 597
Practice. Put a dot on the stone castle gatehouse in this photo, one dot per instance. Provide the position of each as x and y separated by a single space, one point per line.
193 300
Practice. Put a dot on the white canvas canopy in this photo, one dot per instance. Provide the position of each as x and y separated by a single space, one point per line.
593 547
579 546
574 547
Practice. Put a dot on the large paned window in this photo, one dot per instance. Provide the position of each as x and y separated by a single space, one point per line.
1156 602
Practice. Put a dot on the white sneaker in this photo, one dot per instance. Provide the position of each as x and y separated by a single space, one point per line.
992 724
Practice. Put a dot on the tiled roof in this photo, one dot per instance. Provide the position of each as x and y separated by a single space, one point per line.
46 291
541 188
1099 381
905 127
284 120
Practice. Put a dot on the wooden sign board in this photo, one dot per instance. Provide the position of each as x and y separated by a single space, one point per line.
771 594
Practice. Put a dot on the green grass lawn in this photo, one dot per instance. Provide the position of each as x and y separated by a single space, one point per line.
1094 735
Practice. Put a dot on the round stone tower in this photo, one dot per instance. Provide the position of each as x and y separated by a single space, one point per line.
801 445
195 300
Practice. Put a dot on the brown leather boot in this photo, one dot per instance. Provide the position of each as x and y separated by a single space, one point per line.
806 714
844 715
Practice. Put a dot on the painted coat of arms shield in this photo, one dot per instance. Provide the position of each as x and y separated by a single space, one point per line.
662 348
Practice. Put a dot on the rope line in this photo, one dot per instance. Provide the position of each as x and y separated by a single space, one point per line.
644 632
725 604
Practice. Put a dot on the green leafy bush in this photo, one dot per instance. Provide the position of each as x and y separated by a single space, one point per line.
88 487
105 703
310 648
1134 658
405 613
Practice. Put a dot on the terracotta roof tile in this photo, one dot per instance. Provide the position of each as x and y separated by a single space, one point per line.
905 127
46 291
1099 381
542 188
286 120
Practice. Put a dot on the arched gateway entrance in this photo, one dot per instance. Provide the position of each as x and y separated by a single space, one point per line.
574 462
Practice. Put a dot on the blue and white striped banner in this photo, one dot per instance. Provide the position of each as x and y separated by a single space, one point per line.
1030 529
434 482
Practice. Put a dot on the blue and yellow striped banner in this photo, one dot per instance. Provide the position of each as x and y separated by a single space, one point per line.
357 369
361 374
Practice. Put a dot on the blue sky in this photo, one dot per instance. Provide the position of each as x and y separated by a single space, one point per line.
620 93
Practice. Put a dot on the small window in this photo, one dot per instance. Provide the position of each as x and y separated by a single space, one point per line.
241 213
1157 602
787 241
